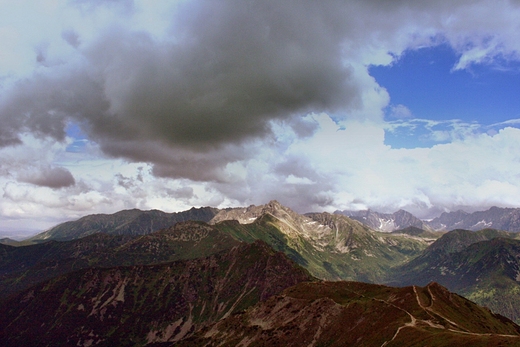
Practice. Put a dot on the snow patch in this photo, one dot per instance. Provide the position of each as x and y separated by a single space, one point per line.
482 224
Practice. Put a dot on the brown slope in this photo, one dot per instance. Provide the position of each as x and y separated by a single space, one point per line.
359 314
142 304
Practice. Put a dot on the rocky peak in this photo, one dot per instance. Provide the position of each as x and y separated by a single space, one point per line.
247 215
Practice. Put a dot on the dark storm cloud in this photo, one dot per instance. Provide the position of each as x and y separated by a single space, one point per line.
232 67
52 177
188 101
43 104
227 70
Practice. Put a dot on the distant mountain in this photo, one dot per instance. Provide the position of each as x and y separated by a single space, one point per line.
484 266
8 241
359 314
21 267
330 246
386 222
497 218
138 305
126 222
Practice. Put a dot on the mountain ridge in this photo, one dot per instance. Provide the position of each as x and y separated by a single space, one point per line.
484 266
507 219
138 222
330 246
350 314
23 266
129 222
142 304
386 222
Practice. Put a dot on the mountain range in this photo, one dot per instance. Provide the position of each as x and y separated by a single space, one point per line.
507 219
386 222
113 266
497 218
126 222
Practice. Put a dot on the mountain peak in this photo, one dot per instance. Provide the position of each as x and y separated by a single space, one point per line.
247 215
386 222
496 217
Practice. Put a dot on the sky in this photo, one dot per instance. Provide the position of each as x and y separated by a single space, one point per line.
333 105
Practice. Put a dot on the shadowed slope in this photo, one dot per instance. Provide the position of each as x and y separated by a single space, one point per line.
21 267
126 222
142 304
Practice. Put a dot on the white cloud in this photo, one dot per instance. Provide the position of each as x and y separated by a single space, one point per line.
400 111
225 103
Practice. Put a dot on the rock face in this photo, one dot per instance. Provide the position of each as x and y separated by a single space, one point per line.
137 305
127 222
507 219
386 222
359 314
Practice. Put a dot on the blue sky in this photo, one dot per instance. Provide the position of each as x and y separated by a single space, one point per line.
111 105
426 82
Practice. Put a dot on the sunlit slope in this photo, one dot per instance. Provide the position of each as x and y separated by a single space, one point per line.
330 246
484 266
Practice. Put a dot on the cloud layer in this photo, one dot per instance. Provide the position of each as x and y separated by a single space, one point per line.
234 102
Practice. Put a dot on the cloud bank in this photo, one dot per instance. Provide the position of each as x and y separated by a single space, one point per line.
236 102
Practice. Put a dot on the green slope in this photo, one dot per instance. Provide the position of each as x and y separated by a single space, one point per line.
330 246
484 266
